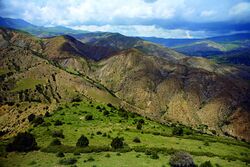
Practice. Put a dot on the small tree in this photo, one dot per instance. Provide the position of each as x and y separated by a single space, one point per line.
58 123
22 142
31 117
177 131
141 121
181 159
139 126
88 117
55 142
206 164
82 141
136 140
117 143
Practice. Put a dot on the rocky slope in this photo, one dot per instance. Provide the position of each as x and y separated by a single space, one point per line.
147 78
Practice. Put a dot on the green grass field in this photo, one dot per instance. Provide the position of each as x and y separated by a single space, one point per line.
103 128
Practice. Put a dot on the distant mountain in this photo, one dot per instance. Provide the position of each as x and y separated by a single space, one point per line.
172 43
36 30
119 42
233 49
239 57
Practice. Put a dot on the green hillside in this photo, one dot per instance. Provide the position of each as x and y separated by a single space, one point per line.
155 146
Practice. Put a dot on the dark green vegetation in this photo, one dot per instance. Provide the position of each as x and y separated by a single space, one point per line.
157 144
231 49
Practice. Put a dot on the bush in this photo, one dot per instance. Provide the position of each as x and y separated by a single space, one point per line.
90 159
98 132
60 154
31 117
47 114
67 161
154 155
117 143
38 120
177 131
55 142
58 134
22 142
136 140
181 159
139 126
206 164
107 155
82 141
89 117
206 143
58 123
106 113
141 121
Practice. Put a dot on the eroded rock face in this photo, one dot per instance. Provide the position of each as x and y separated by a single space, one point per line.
199 94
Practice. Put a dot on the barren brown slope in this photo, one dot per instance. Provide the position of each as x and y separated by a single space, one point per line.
202 94
31 84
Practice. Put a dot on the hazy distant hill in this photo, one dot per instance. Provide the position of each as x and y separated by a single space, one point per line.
36 30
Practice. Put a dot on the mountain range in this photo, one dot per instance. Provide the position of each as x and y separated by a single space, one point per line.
129 72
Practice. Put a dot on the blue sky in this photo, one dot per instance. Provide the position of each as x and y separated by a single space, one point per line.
159 18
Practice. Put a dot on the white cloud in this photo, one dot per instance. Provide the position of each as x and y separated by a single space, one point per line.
240 9
207 13
142 30
71 12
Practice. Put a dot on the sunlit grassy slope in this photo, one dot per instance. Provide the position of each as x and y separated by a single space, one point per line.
109 122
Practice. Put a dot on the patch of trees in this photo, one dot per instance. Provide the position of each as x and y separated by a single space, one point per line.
177 131
117 143
23 142
181 159
82 141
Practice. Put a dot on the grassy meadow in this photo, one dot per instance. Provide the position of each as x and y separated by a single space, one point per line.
106 122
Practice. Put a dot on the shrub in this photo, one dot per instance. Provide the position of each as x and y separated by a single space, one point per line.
47 114
90 159
118 154
106 113
82 141
58 123
206 164
67 161
107 155
206 143
177 131
22 142
58 134
110 105
139 126
38 120
98 132
136 140
117 143
31 117
89 117
154 155
55 142
60 154
181 159
141 121
77 153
